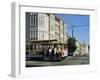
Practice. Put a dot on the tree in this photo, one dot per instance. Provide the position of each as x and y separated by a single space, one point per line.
71 43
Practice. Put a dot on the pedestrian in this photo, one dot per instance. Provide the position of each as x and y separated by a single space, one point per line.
53 53
57 53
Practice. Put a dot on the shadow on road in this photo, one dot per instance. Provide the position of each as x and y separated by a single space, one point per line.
34 58
40 58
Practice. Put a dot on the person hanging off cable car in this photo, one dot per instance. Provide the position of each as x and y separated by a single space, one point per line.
54 53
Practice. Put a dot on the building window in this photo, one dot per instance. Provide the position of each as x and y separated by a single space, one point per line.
33 20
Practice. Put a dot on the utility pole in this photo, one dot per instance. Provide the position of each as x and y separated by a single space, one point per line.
72 31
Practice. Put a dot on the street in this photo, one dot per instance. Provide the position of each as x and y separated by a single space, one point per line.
70 60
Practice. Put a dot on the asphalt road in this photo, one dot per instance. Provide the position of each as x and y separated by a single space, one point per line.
70 60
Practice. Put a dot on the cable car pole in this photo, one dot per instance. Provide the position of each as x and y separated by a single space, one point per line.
72 31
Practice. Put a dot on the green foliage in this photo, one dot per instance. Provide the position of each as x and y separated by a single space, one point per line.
71 43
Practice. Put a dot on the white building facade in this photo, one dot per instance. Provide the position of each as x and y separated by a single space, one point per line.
45 26
82 49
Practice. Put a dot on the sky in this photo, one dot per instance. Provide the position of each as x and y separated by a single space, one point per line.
81 33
